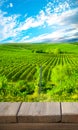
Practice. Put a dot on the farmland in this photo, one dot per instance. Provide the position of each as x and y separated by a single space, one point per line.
39 72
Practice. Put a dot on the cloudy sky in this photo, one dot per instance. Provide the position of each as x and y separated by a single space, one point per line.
38 20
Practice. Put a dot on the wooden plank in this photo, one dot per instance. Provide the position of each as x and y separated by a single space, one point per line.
37 112
39 126
70 112
8 111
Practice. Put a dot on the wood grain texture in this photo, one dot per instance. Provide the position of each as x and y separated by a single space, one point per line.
8 111
37 112
39 126
70 112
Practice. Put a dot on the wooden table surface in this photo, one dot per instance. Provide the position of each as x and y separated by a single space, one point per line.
39 115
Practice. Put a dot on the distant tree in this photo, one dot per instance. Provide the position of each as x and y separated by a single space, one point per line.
39 51
57 51
49 50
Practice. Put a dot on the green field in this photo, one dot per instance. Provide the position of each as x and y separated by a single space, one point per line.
39 72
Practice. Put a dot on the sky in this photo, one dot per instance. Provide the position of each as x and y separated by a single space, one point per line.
38 21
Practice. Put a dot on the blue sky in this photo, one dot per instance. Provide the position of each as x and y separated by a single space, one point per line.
38 20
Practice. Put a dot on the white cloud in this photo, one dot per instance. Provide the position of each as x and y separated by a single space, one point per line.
24 38
7 26
62 7
51 19
64 23
33 22
57 36
11 5
60 19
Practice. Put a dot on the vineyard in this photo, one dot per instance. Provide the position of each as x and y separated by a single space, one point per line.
37 72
